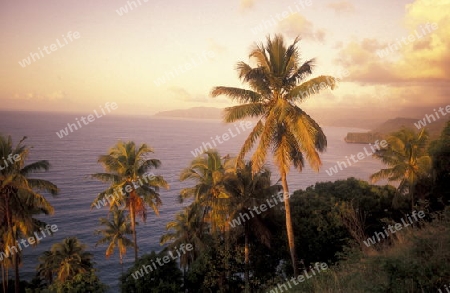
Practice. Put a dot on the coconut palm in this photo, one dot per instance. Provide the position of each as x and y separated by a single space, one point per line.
47 267
208 171
127 170
115 233
20 198
407 160
277 85
212 200
186 228
65 260
249 191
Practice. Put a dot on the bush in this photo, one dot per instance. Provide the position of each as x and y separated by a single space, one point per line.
164 279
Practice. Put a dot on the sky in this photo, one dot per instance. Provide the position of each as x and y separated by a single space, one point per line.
152 55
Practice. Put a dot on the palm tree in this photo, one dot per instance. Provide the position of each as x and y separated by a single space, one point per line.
249 191
210 193
127 168
47 267
276 87
65 260
20 199
186 228
115 233
212 199
407 158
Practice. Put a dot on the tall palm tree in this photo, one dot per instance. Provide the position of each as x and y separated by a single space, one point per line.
65 260
212 200
208 171
249 191
277 85
20 198
186 228
115 233
407 160
126 169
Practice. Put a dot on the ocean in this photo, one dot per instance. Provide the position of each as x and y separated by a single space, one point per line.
74 157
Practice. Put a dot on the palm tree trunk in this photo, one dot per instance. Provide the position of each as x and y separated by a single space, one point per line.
289 228
247 261
121 261
16 256
4 279
133 228
184 279
16 272
4 267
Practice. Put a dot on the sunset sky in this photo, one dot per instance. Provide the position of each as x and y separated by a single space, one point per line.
120 58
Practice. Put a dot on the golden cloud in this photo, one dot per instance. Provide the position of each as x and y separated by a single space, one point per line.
341 7
296 25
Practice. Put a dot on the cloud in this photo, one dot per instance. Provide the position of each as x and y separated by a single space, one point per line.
425 59
418 70
362 63
340 7
297 25
429 54
247 4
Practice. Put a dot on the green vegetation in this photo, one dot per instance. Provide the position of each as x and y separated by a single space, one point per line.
167 278
416 262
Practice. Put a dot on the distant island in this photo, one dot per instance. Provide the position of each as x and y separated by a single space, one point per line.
379 132
192 113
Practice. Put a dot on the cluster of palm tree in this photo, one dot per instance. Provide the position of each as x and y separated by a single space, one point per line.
225 187
277 86
221 192
124 165
20 201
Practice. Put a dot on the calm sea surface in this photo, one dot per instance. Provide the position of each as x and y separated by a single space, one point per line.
74 157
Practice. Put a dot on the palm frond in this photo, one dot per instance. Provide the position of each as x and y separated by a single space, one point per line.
232 114
311 87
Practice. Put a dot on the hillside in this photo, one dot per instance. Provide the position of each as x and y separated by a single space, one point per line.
434 129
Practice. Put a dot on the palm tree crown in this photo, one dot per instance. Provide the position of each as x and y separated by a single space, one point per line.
210 193
115 233
277 85
65 260
407 160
